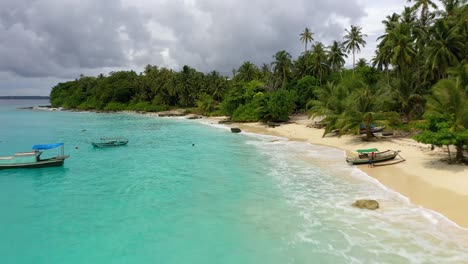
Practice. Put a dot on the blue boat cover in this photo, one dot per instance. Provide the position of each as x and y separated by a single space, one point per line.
47 146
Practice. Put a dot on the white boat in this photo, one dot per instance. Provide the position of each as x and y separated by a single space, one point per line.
32 159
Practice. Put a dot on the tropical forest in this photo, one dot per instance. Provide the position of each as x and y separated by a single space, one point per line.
417 81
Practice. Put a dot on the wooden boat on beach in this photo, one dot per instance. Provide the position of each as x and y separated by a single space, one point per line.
373 130
365 155
110 142
33 159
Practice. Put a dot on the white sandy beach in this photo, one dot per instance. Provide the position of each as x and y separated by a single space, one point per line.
424 178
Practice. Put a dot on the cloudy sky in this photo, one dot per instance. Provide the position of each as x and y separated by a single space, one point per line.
43 42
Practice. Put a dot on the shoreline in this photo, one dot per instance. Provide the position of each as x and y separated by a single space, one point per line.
423 178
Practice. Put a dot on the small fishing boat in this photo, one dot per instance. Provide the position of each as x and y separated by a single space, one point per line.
373 129
33 158
110 142
365 155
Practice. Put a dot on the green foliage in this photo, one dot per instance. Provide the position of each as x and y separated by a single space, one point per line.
206 103
305 91
280 105
147 107
240 94
252 111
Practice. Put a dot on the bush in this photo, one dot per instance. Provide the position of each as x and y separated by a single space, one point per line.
147 107
114 106
280 105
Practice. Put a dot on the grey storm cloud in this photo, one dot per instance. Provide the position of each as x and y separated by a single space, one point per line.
51 38
47 38
43 42
221 35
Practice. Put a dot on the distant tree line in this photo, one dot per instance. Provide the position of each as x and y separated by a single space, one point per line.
417 79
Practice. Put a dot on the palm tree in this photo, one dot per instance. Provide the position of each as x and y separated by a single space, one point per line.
383 53
330 104
319 66
445 47
400 42
354 39
336 57
247 72
364 108
306 37
451 7
361 63
449 99
216 85
424 5
282 67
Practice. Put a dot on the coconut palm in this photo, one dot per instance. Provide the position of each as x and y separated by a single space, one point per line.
354 39
282 67
330 104
449 99
247 72
319 66
363 109
445 47
400 42
424 6
306 37
336 57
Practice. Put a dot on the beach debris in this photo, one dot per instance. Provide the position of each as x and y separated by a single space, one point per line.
194 117
172 113
273 124
316 124
225 121
366 204
235 130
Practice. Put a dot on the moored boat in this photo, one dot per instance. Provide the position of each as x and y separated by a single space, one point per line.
110 142
33 158
373 155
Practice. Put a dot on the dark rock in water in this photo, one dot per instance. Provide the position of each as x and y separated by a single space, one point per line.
28 108
235 130
194 117
366 204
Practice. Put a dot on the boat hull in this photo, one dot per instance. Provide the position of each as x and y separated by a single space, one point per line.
379 157
107 144
53 162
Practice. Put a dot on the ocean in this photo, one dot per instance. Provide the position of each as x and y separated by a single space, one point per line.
189 191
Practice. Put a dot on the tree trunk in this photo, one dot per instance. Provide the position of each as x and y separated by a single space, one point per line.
459 155
369 133
353 62
450 157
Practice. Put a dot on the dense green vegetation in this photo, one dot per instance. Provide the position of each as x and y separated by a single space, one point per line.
418 75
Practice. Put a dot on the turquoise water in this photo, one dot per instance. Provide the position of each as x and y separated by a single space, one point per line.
231 198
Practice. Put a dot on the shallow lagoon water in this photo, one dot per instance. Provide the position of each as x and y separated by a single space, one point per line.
230 198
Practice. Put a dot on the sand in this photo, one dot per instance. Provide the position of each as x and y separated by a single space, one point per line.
424 177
